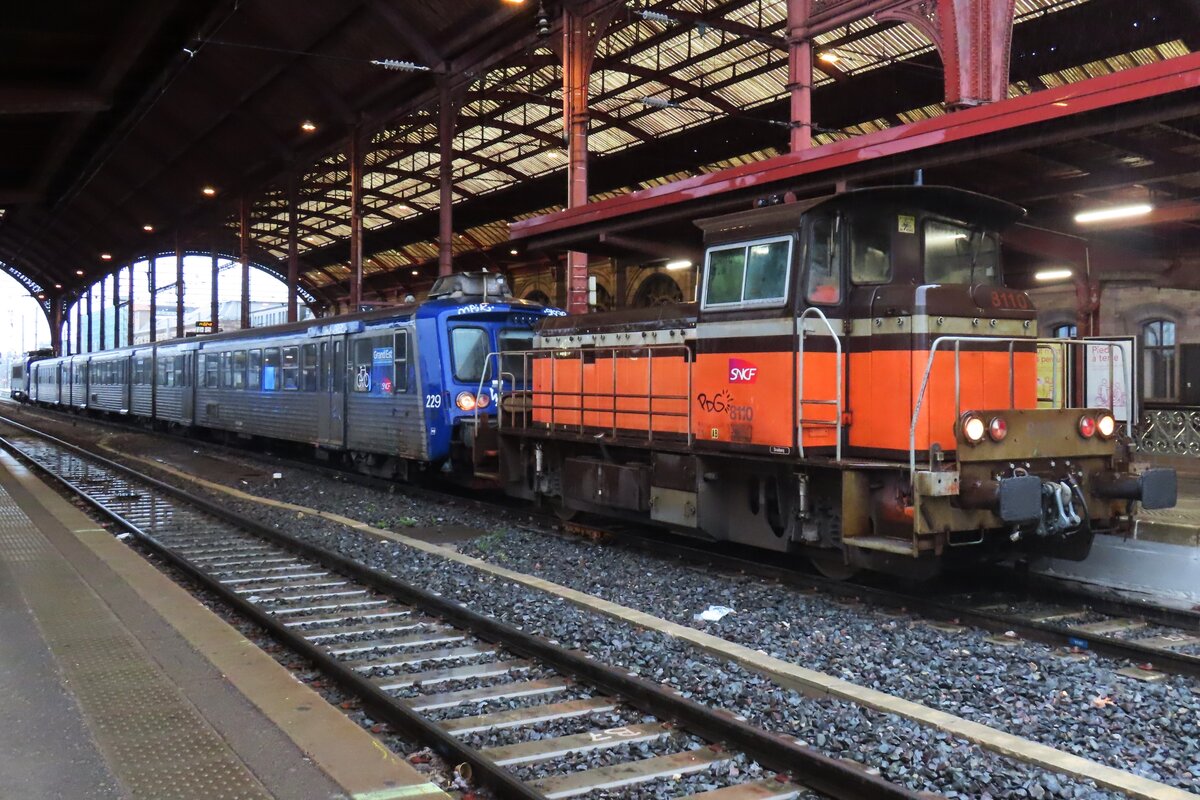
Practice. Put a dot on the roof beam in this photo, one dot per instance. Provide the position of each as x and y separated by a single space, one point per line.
16 99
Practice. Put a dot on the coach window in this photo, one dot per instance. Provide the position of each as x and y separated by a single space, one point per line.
824 281
469 347
401 345
254 370
211 367
308 367
373 361
226 370
959 254
239 369
270 373
291 369
871 248
177 365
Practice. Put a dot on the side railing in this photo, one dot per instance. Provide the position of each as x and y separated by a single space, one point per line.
837 402
1060 395
1168 431
591 404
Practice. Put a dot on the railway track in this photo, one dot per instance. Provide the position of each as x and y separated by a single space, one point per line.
524 717
1158 639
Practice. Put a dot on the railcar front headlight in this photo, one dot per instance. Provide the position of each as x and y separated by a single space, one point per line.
1106 426
465 401
973 428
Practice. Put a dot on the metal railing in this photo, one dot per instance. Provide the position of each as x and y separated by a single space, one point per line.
1168 431
801 401
1012 342
603 403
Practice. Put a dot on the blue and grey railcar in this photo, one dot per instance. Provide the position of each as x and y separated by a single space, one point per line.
392 390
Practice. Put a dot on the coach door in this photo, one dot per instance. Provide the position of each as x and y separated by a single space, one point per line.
331 420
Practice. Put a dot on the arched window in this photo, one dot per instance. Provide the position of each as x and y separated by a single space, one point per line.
1158 359
1067 330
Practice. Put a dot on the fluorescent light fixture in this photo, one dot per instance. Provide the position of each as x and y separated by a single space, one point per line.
1053 274
1116 212
683 264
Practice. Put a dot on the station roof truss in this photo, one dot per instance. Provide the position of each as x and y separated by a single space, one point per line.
697 86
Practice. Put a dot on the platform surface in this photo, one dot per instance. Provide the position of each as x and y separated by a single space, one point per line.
114 683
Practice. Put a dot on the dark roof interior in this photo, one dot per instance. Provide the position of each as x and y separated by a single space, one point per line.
115 114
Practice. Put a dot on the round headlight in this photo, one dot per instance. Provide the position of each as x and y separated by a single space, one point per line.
997 429
1106 426
1087 426
465 401
973 429
483 400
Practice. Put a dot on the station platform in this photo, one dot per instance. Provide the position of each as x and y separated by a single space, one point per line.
116 683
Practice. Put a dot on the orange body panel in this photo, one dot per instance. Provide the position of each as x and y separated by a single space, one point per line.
749 398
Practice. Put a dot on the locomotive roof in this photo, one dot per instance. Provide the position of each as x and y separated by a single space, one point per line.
947 200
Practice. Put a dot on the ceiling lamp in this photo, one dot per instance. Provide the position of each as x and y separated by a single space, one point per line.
58 286
1058 274
148 228
208 191
681 264
416 272
106 256
79 272
829 57
308 126
1117 212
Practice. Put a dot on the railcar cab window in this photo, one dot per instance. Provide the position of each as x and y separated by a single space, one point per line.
960 254
748 275
469 350
823 283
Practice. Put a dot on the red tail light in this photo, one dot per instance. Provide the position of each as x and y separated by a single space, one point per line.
1087 426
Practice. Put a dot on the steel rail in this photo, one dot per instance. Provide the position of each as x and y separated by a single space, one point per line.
836 778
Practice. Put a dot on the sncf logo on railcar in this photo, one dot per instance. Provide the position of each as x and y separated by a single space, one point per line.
742 371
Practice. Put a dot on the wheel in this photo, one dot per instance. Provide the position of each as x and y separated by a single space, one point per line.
562 512
832 564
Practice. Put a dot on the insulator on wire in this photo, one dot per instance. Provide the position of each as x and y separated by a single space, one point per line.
399 66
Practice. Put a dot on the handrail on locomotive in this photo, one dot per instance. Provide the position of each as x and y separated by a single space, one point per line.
1011 341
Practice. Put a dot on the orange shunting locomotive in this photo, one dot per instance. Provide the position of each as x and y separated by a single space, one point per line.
854 383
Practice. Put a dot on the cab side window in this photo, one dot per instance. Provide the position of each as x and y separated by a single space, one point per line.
871 248
823 285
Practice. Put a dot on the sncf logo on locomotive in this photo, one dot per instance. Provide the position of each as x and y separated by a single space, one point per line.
742 371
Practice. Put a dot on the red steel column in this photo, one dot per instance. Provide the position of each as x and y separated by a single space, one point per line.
577 52
447 121
116 310
244 255
103 304
152 262
215 308
974 39
178 287
78 323
89 318
129 319
293 264
56 324
355 156
800 70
